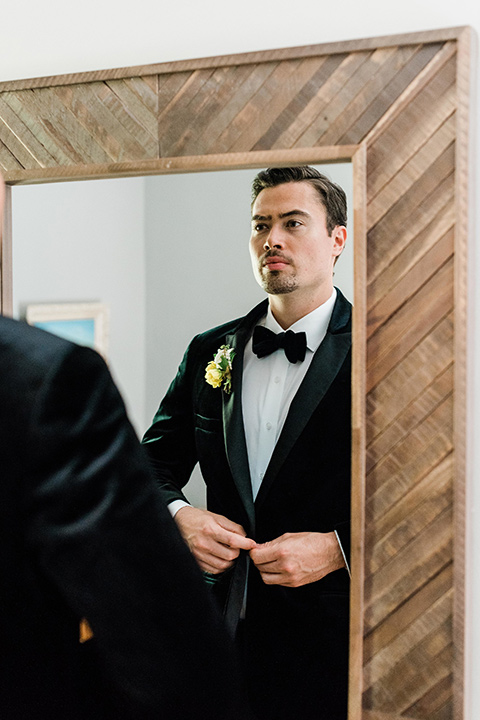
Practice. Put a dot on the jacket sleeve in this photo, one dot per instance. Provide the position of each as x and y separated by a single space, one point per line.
170 440
101 535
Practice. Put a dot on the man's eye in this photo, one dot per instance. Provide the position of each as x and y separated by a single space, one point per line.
259 227
293 223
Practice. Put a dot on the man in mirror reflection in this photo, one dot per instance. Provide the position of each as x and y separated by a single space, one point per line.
85 534
263 404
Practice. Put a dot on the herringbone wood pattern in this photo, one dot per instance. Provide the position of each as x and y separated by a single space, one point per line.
296 103
400 101
98 122
410 355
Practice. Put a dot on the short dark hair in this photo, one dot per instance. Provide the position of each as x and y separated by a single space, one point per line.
331 195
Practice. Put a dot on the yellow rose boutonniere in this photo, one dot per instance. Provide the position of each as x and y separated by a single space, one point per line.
213 375
219 371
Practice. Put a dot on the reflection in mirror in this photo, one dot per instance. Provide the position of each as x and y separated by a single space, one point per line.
167 254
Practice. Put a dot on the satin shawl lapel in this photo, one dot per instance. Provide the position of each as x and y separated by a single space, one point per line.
234 433
324 367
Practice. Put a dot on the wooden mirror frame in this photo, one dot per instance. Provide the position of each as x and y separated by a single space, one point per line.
398 108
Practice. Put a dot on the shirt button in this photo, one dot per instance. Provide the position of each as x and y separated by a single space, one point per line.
261 475
268 425
276 379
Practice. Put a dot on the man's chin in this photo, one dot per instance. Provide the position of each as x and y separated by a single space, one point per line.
278 288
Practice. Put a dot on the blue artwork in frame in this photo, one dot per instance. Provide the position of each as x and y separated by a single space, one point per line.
82 323
80 331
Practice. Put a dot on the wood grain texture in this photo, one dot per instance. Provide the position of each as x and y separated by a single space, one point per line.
411 359
398 108
86 124
359 338
463 339
6 256
284 100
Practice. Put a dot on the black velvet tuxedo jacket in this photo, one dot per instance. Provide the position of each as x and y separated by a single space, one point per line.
306 488
84 533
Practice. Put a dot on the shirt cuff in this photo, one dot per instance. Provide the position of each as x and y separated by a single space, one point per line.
338 540
175 506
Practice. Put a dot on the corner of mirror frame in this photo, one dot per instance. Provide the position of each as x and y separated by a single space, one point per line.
456 47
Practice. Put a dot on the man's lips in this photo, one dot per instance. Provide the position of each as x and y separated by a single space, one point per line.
275 263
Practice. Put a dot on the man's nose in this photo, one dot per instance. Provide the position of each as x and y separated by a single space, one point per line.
273 239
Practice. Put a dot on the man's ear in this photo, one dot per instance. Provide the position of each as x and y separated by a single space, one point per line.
339 235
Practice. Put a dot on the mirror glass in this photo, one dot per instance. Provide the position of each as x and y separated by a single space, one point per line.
167 254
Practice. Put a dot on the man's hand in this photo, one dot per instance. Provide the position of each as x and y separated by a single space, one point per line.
296 559
214 540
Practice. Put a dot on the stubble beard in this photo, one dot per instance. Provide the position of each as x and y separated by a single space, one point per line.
276 282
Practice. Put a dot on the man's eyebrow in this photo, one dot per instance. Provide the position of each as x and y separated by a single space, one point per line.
302 213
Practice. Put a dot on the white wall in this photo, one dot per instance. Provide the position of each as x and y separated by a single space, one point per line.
84 242
50 37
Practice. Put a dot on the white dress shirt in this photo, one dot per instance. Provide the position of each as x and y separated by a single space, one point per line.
270 384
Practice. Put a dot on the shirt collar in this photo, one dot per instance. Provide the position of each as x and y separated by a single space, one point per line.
315 324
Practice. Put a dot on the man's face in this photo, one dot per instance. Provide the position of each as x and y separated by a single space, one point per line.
290 246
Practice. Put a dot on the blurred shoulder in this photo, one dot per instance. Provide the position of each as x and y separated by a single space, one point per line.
26 351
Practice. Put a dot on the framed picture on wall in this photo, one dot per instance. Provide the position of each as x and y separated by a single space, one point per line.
82 323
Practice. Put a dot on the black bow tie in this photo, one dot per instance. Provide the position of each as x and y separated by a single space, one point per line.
266 342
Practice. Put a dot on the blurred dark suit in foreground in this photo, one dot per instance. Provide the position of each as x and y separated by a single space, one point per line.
83 533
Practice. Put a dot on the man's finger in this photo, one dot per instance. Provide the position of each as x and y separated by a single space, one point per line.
260 554
230 525
270 566
274 579
207 567
234 540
